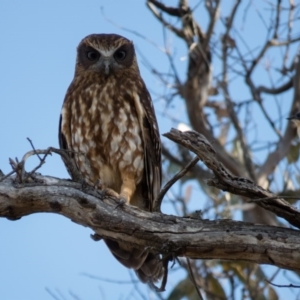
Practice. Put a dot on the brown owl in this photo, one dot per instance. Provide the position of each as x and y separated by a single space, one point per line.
108 123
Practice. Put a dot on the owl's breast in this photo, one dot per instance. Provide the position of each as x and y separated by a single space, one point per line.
107 135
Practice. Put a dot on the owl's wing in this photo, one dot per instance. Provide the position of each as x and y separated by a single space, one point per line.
152 148
68 155
61 137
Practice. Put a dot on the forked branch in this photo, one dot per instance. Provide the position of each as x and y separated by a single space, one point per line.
225 181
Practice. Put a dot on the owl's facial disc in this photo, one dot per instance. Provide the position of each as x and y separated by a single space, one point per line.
105 55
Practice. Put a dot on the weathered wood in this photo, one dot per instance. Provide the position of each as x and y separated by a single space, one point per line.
167 234
225 181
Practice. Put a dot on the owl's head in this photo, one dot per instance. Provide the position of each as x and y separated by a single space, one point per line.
105 54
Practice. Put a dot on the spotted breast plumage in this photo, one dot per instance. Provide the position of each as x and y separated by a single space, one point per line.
109 125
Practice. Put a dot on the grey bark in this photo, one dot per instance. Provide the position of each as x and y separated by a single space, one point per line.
167 234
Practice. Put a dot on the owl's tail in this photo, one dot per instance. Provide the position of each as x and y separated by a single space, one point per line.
148 266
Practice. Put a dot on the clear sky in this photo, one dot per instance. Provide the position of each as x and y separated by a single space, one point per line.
37 58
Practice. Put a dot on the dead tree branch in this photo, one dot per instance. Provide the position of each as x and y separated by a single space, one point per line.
167 234
225 181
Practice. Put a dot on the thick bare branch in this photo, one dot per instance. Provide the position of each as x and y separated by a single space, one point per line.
167 234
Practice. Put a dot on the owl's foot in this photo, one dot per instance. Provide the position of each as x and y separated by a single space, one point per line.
98 184
124 197
109 192
84 185
122 202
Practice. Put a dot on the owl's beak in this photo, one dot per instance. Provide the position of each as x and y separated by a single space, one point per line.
106 65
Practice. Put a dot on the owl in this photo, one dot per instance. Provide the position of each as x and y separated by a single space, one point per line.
108 123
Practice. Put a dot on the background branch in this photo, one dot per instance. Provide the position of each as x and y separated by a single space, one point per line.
231 183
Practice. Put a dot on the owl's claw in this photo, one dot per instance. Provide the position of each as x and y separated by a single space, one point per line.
84 184
98 184
122 202
110 192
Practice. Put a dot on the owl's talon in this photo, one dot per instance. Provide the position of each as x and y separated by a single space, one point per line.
110 192
98 184
84 184
121 203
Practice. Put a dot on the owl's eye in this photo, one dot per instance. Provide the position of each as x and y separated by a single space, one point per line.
92 55
120 55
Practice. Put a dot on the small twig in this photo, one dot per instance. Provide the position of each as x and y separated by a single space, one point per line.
74 296
176 177
17 167
283 285
165 277
42 161
31 143
277 19
7 175
214 15
275 91
136 285
236 124
171 60
271 279
60 294
193 278
130 30
108 280
52 294
289 33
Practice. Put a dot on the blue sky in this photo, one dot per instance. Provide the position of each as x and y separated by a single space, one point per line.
38 50
37 58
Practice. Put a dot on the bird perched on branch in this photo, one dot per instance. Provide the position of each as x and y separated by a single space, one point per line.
109 124
296 120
